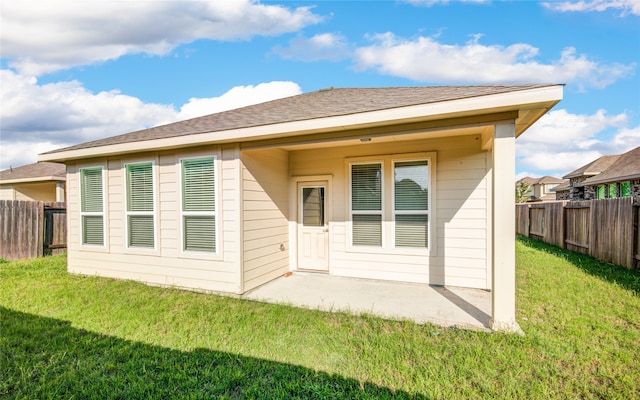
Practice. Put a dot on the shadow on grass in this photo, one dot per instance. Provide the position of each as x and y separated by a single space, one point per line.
48 358
617 274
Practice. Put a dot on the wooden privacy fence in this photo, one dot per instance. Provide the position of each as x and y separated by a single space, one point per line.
605 229
32 229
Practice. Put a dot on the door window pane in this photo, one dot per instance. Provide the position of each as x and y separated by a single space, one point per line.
313 206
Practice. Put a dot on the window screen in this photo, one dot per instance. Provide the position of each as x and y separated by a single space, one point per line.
625 189
199 204
411 203
92 206
140 205
366 204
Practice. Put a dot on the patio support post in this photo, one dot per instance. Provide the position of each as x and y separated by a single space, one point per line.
60 197
503 301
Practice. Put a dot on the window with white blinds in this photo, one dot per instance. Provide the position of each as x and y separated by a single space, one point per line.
411 203
366 204
199 214
92 206
390 202
140 205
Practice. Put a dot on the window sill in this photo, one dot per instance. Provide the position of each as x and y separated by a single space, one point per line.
399 251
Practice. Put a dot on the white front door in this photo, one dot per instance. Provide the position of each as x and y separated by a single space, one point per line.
313 226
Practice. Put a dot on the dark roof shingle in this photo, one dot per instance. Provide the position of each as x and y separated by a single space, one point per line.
319 104
43 170
626 166
593 168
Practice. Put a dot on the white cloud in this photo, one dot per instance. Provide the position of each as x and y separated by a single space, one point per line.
560 126
425 59
239 96
561 142
624 6
46 36
66 112
38 118
323 46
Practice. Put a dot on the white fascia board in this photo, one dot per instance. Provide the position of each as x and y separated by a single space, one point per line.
399 115
31 180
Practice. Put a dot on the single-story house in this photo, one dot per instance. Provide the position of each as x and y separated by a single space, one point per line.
411 184
540 189
620 179
43 181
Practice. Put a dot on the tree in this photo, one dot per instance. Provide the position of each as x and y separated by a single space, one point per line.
521 192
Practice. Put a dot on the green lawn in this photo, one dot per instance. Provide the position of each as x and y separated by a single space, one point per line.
65 336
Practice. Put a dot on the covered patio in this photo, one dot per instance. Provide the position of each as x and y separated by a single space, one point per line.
445 306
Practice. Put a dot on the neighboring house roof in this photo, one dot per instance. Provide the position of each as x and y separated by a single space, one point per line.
625 167
545 180
549 180
331 110
593 168
545 197
564 187
527 180
41 171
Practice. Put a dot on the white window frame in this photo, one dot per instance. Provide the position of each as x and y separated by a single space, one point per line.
93 213
353 212
153 213
388 218
395 212
216 214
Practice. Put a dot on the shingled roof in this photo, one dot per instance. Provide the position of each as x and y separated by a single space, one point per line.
45 171
314 105
625 167
545 180
593 168
564 187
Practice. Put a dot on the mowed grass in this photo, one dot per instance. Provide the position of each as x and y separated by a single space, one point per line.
67 336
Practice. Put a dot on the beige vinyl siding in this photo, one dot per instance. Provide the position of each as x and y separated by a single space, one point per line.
6 192
458 254
45 191
265 179
167 266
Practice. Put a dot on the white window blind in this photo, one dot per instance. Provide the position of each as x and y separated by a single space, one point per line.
140 205
411 203
366 204
199 204
92 206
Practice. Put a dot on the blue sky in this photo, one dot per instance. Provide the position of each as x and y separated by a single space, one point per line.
78 71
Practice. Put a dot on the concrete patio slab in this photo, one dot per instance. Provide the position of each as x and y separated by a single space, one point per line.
441 305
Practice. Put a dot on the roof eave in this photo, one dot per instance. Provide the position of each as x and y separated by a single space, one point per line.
609 180
34 179
531 104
